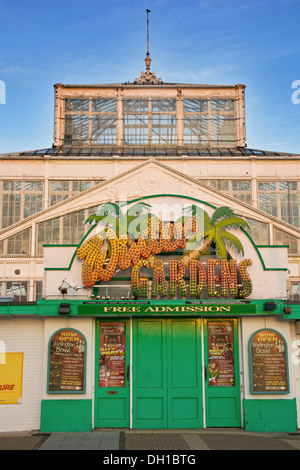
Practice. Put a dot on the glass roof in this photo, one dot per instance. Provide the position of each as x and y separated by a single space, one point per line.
150 152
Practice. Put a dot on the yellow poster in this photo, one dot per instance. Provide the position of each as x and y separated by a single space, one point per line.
11 377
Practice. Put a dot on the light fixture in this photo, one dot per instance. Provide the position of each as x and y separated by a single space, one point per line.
64 309
270 306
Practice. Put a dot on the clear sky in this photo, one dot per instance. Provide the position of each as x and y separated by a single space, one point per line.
222 42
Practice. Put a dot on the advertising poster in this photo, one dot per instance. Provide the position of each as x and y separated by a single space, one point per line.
112 354
220 354
11 377
268 363
67 362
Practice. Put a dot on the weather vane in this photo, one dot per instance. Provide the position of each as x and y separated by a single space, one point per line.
148 77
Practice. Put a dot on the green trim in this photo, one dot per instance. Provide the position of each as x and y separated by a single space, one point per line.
49 308
272 246
59 244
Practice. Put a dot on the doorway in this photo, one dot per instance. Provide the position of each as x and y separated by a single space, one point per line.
165 373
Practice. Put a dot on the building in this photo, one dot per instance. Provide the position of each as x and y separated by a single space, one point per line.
149 272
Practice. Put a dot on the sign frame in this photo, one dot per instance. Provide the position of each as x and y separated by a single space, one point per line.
81 391
268 392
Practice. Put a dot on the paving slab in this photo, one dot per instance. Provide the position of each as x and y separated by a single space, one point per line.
82 441
151 440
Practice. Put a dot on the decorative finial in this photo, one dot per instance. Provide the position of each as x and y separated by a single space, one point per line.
148 77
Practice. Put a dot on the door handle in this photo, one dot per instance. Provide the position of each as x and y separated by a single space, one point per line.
128 373
205 373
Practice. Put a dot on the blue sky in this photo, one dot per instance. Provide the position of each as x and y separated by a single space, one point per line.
223 42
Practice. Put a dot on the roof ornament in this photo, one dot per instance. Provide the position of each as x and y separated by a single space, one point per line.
148 77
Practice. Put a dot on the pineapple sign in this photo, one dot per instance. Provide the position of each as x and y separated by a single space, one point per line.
183 258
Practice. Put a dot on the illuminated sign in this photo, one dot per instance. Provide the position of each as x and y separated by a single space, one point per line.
136 244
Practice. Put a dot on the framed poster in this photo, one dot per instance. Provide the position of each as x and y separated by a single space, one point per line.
11 378
66 362
112 354
268 362
221 354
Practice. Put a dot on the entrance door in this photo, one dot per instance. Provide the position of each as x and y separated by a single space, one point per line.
222 384
112 386
167 373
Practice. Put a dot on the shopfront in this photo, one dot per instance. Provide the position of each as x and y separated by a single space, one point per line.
161 323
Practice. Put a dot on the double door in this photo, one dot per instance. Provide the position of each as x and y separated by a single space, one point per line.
167 373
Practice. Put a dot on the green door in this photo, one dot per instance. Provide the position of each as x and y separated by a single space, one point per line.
167 374
222 384
112 378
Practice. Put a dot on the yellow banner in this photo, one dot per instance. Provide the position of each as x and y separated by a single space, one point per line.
11 377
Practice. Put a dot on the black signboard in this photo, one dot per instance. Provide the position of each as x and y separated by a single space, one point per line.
66 367
268 362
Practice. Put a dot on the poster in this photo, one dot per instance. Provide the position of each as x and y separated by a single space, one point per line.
268 362
67 362
11 377
220 354
112 354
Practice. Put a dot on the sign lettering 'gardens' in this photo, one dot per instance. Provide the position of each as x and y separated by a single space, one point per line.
136 240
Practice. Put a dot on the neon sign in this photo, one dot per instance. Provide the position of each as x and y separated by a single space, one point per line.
108 251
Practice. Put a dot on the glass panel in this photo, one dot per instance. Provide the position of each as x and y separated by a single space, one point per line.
79 186
135 106
34 186
33 203
19 244
76 104
12 185
76 129
267 186
18 290
259 232
195 106
11 209
289 208
73 227
294 291
284 238
287 185
47 233
223 129
103 129
59 186
268 203
195 129
104 105
136 129
164 129
241 185
38 290
163 105
221 105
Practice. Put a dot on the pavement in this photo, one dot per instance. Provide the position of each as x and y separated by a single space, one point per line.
151 440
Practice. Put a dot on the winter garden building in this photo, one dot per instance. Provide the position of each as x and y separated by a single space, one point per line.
149 266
